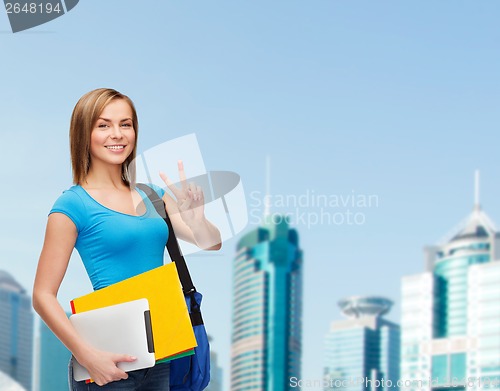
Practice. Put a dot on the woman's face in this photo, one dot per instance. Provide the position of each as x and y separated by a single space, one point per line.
113 136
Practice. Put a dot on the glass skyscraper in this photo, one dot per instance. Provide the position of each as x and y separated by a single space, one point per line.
16 331
267 308
362 352
53 361
451 313
215 371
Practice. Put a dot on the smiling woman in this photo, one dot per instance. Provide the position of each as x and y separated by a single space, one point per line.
115 229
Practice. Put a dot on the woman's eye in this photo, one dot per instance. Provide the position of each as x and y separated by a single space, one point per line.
102 126
127 125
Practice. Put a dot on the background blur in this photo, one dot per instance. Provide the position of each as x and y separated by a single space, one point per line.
394 100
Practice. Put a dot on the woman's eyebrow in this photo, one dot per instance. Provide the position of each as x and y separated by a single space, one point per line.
106 119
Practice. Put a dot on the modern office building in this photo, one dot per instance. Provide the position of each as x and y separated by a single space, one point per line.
53 359
16 331
362 352
451 312
483 326
215 372
267 308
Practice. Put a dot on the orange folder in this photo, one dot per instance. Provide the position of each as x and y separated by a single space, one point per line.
173 334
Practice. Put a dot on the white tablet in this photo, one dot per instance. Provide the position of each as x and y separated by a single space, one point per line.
123 328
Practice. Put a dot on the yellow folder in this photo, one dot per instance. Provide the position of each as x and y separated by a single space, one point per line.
172 330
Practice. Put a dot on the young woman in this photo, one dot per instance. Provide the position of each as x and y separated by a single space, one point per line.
107 219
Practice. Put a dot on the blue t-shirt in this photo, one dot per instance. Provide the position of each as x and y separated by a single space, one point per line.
113 245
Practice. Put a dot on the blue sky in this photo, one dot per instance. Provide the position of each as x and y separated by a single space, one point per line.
394 99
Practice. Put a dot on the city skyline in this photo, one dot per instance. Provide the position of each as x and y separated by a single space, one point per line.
476 224
395 99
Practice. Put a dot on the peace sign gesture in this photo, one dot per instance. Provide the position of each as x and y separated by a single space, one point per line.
189 197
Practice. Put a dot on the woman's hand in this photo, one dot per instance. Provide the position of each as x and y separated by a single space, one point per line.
102 366
192 225
190 199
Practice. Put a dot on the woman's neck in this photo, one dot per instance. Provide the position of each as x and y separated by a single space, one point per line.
99 178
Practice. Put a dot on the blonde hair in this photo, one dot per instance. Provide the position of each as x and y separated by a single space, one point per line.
84 117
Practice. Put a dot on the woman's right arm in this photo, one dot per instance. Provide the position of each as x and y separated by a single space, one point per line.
60 239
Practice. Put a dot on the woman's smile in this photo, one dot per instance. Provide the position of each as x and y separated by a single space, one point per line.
116 148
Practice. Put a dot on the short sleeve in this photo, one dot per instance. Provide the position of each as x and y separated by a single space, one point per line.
70 204
158 189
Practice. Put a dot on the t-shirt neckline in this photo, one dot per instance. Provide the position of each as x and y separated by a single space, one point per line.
115 211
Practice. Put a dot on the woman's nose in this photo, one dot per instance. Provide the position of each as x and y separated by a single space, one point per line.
116 131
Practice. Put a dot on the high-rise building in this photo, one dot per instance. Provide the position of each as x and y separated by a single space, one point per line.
362 352
267 308
451 313
16 331
483 326
53 360
215 372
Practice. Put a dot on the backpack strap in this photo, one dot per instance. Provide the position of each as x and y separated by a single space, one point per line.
172 245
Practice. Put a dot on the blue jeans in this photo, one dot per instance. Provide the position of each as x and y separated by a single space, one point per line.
150 379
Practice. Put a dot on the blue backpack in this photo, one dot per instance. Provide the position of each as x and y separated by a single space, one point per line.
190 373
